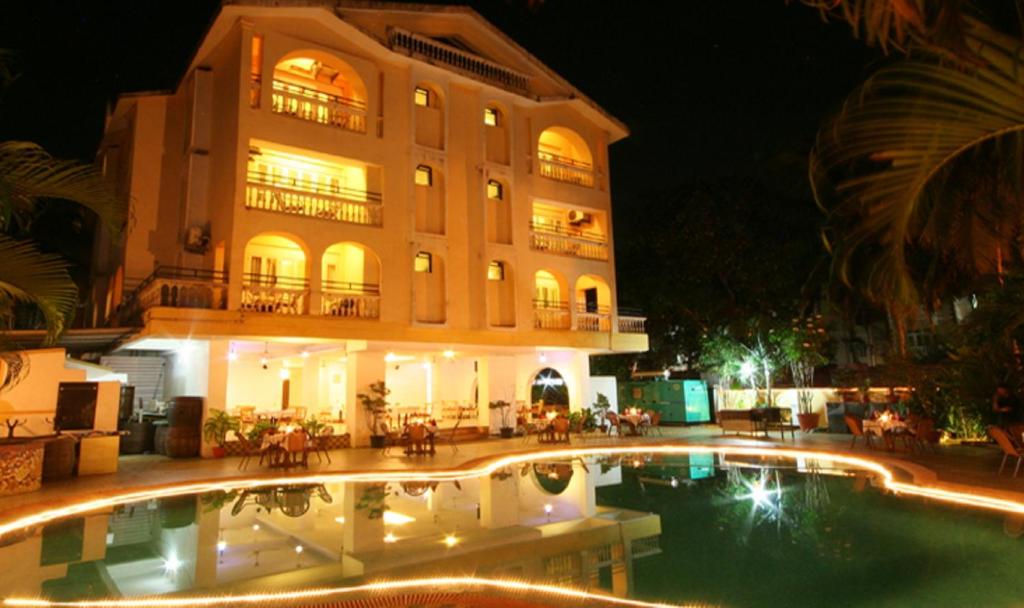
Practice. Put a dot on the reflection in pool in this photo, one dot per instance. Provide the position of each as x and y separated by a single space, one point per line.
734 530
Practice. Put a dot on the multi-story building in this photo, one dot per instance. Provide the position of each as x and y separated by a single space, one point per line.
342 192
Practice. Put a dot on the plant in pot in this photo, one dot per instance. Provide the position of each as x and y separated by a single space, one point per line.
504 408
375 404
804 348
216 428
600 410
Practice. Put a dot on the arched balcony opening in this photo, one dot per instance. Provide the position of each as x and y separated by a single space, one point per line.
318 87
430 199
581 233
350 282
496 134
429 115
275 278
564 156
429 297
593 300
550 307
501 295
498 211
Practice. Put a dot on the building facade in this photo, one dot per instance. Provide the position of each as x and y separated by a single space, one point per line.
338 193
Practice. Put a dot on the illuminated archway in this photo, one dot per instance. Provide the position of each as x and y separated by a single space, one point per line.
275 277
320 87
549 391
565 156
350 281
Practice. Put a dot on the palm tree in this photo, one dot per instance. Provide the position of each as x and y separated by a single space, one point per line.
920 174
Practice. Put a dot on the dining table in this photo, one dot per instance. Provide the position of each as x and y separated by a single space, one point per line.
277 446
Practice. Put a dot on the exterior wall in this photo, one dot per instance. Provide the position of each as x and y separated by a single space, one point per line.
34 398
786 397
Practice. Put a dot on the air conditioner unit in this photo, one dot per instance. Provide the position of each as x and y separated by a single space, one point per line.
577 217
197 239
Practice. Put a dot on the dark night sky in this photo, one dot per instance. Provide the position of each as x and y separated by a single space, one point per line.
708 88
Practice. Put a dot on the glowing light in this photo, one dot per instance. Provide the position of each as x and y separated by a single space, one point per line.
548 508
450 540
390 537
232 356
448 354
391 518
171 564
340 520
668 374
221 545
264 362
255 527
393 358
747 369
305 354
442 583
542 358
298 548
674 482
285 374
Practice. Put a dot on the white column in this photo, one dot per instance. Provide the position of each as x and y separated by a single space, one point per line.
499 502
216 392
361 370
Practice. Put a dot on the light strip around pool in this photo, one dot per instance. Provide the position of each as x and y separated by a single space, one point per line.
336 593
486 467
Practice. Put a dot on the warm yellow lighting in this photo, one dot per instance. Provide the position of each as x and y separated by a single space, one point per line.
232 356
494 190
421 97
450 540
171 564
424 175
548 508
448 354
496 271
221 545
255 527
490 117
298 548
393 358
305 354
340 519
392 518
285 373
390 537
424 262
445 583
542 358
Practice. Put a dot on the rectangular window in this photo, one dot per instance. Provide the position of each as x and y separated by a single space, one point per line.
424 176
490 117
494 190
424 262
421 97
496 271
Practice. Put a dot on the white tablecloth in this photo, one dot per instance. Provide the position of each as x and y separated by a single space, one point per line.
880 427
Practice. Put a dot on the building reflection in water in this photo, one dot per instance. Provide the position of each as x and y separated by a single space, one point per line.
539 522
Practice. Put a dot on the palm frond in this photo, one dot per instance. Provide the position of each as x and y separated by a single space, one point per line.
30 276
29 173
886 168
895 24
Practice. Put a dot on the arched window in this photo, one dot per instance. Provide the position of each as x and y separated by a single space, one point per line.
428 115
319 87
350 282
429 297
430 199
498 212
564 156
496 134
501 301
550 309
593 304
275 278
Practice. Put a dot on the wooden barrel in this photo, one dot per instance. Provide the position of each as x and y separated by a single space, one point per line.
177 511
59 457
139 438
177 442
185 412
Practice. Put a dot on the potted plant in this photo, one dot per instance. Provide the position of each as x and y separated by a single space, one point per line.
803 350
600 410
375 404
504 407
312 426
216 428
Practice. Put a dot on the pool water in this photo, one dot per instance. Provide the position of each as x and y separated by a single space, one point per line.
699 529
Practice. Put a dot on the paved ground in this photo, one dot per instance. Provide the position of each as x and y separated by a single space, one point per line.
952 466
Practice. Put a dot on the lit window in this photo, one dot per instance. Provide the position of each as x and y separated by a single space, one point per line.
495 190
424 176
421 97
424 262
490 117
496 271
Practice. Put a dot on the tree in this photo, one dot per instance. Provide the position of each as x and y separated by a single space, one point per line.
803 348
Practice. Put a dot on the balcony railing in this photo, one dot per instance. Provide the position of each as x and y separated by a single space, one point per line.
565 169
593 319
551 315
568 242
632 321
311 199
474 66
273 294
175 287
316 106
350 300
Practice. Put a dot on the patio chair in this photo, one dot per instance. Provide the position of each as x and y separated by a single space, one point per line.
453 435
560 429
530 429
298 449
247 450
613 423
1006 445
780 419
857 430
320 444
924 429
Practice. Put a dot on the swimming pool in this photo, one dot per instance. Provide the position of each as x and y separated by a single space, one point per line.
733 529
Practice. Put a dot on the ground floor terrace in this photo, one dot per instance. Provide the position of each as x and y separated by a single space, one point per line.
291 379
532 515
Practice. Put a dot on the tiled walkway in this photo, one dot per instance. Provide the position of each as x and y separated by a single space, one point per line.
957 465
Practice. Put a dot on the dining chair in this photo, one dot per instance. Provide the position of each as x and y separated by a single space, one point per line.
246 450
298 449
320 443
856 427
613 423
